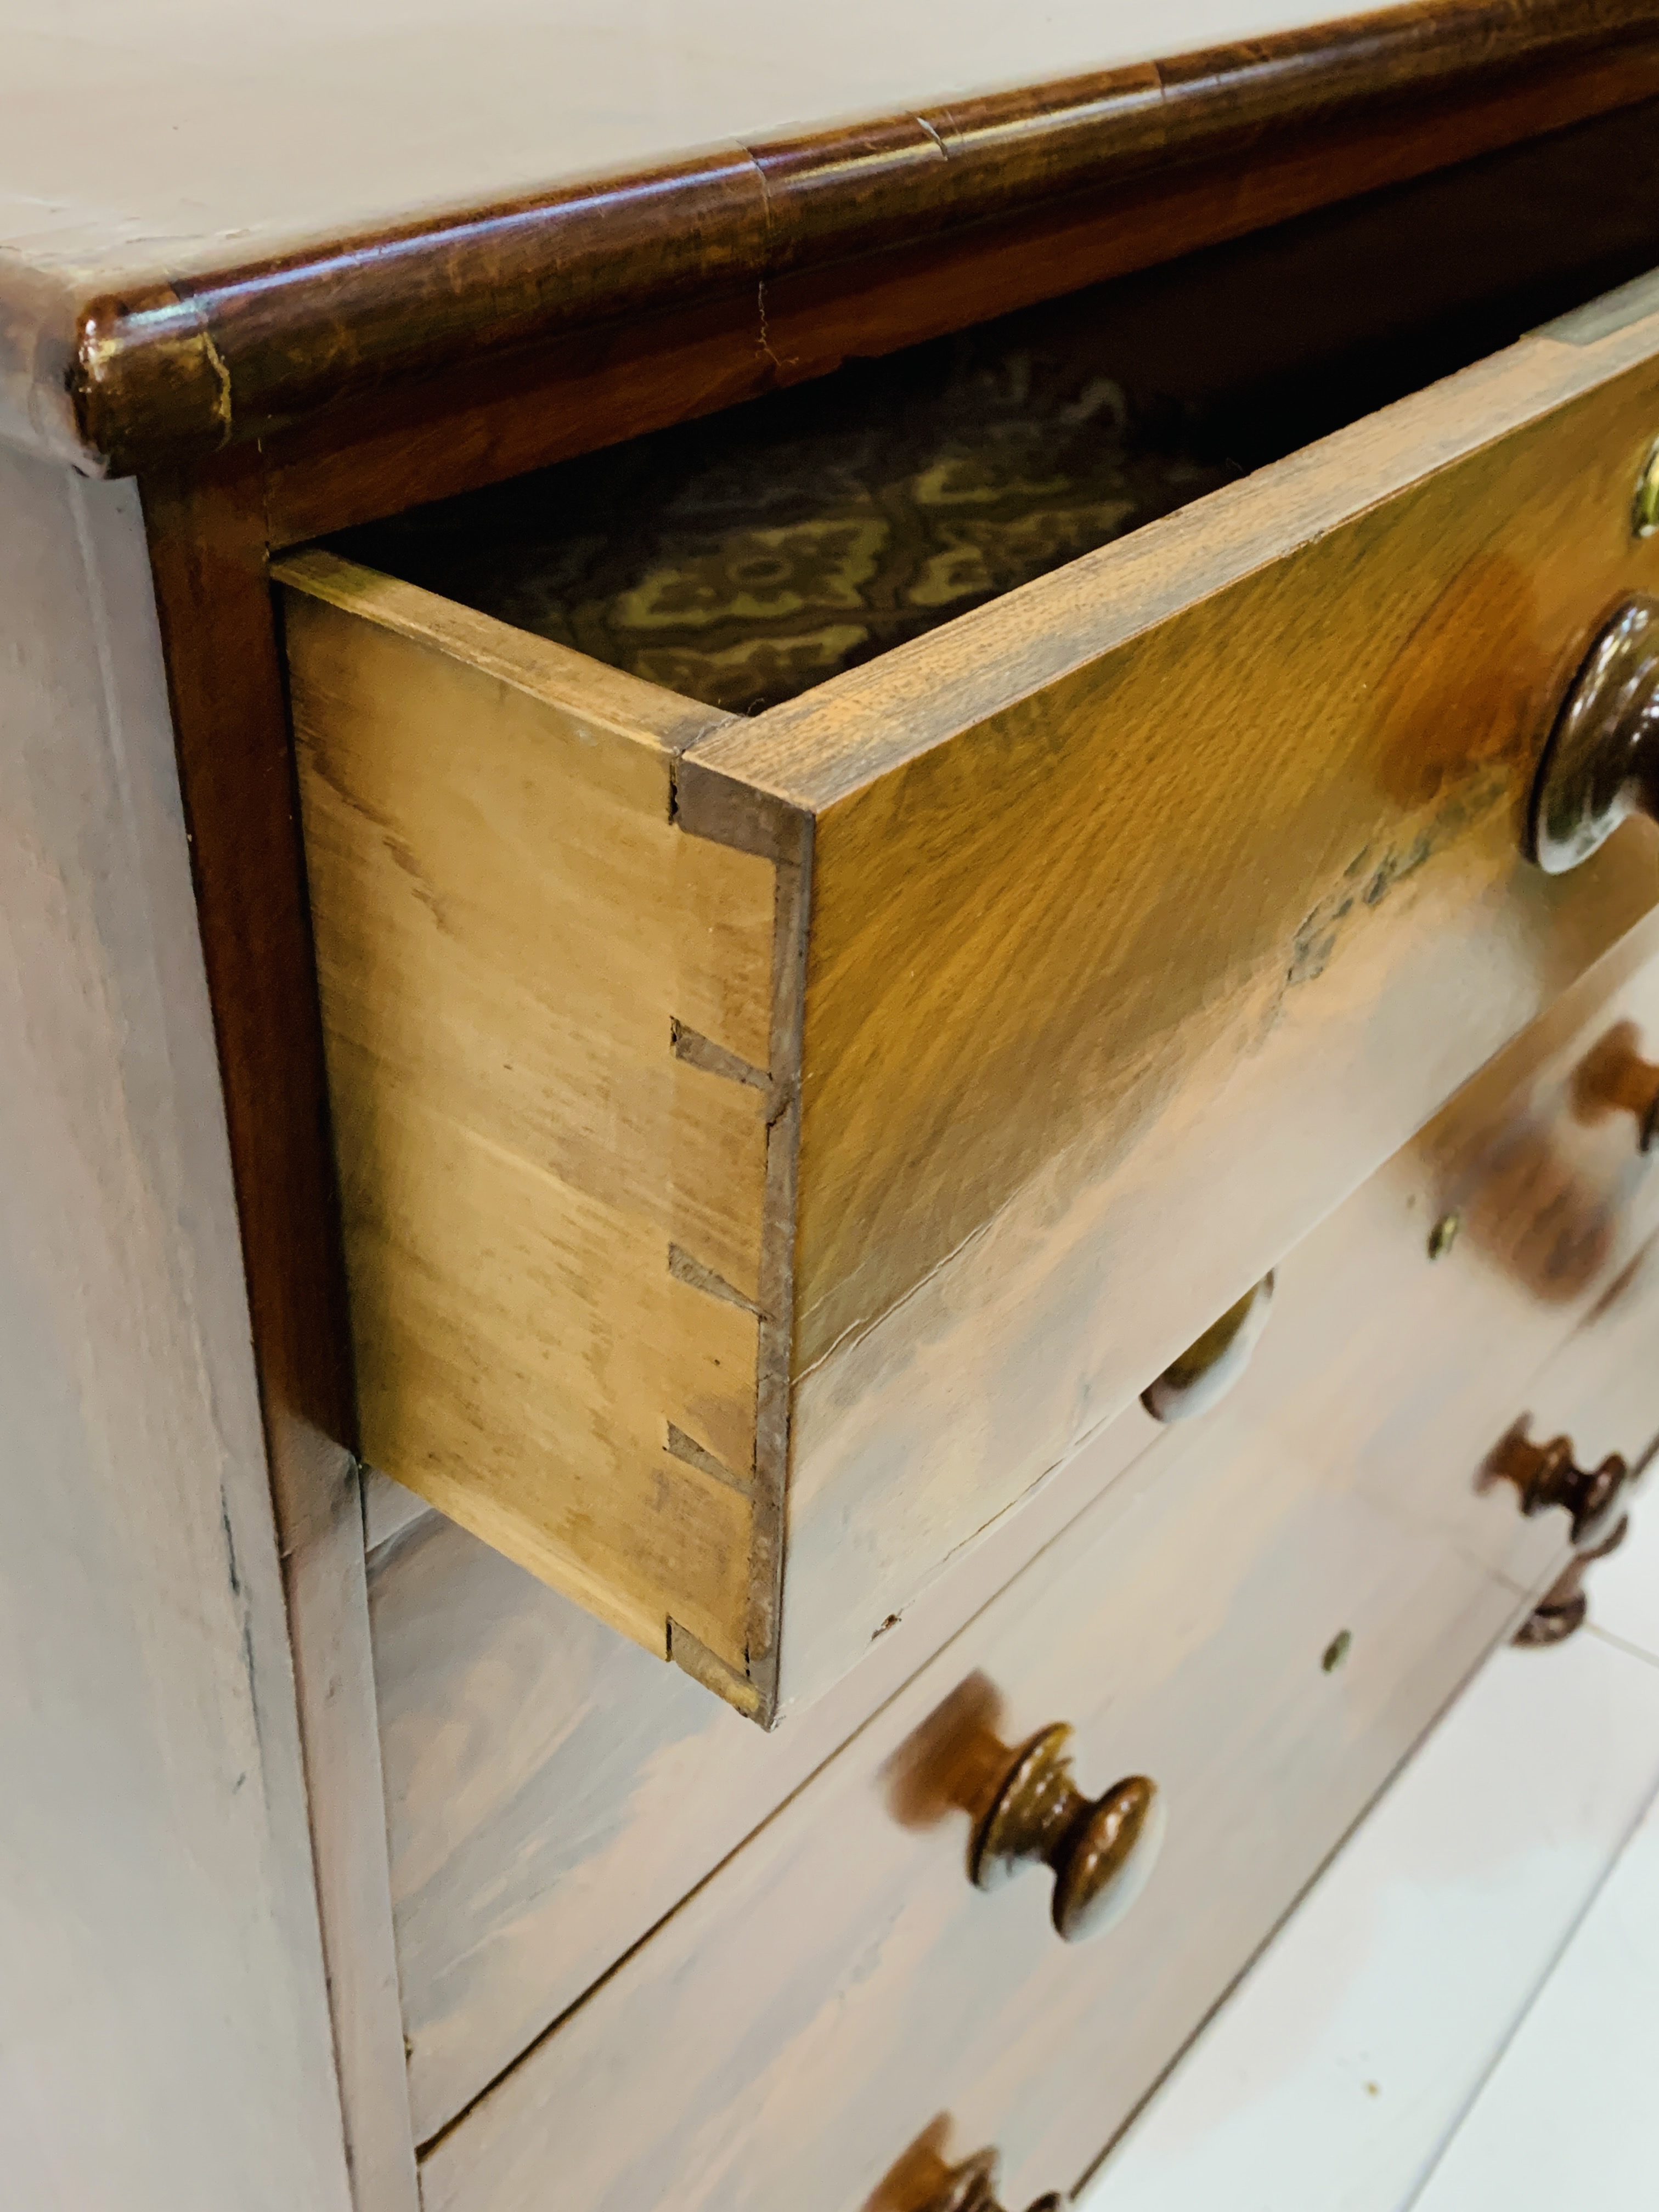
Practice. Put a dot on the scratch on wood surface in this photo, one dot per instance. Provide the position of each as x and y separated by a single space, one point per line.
249 1665
215 359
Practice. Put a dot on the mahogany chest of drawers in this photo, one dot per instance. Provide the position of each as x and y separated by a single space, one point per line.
838 963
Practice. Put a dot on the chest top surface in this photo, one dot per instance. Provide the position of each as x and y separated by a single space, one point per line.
356 193
175 137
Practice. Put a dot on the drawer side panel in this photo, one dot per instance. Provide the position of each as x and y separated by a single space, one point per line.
554 1208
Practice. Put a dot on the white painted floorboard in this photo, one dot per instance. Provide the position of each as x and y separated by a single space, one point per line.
1569 2117
1336 2077
1625 1589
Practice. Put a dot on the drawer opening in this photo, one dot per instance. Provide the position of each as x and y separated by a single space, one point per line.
848 930
743 559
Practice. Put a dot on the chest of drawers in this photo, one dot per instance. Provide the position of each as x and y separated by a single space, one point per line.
818 796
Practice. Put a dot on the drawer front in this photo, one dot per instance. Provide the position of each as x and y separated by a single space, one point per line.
785 1140
1263 1613
554 1792
1264 1616
1154 907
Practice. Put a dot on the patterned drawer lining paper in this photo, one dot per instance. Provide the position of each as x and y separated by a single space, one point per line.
741 560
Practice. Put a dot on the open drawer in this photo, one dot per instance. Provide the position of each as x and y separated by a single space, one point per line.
770 1142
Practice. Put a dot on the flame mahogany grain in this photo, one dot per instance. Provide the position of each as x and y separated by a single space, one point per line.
376 455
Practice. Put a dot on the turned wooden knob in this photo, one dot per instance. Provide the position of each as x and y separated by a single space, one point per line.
1563 1610
972 2187
1546 1474
1102 1849
1614 1079
1601 762
1637 1091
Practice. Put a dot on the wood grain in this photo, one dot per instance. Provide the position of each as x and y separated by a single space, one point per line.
554 1792
181 362
1020 1027
1553 201
550 1801
840 1989
224 675
549 1016
163 2005
225 680
1366 642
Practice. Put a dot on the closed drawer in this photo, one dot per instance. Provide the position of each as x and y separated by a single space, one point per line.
769 1145
553 1791
1264 1613
553 1794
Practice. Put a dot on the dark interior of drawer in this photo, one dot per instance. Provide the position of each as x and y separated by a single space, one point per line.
745 557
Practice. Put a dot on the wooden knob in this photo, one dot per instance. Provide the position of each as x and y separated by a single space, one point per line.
1601 762
1212 1363
1564 1608
1546 1474
1102 1849
972 2187
1614 1079
1638 1092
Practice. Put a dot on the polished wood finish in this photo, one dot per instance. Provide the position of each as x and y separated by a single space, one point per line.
1644 507
1601 763
555 1793
1102 1850
139 366
1508 230
230 730
156 367
1546 1476
999 1126
807 2051
555 1790
225 679
1011 801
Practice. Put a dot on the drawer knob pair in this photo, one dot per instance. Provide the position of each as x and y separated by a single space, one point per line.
1102 1849
972 2187
1601 762
1549 1474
